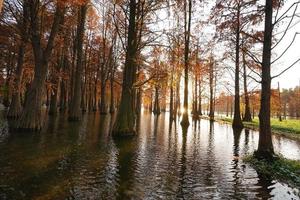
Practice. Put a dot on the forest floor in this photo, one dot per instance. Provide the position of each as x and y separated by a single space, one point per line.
282 169
289 128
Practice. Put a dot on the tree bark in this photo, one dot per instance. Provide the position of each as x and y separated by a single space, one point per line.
265 145
156 110
211 91
185 118
31 117
75 109
237 120
125 121
15 106
247 117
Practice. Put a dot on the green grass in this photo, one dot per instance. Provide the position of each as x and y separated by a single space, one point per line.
281 169
286 127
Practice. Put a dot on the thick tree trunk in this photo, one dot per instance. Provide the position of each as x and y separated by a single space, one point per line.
31 117
265 145
247 117
237 120
75 109
125 121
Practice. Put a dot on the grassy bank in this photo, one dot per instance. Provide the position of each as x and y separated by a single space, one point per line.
285 170
289 127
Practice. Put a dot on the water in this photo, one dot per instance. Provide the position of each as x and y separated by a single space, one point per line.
81 161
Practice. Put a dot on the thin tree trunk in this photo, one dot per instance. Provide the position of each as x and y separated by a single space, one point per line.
237 120
156 110
211 91
188 13
279 103
247 117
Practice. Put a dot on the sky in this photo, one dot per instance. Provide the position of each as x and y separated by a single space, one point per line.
289 79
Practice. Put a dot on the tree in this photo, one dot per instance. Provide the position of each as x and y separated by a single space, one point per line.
125 121
15 106
187 34
265 145
75 109
31 117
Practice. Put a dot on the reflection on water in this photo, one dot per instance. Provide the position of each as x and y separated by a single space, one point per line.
81 161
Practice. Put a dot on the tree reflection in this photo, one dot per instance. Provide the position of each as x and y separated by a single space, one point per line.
126 157
235 162
182 170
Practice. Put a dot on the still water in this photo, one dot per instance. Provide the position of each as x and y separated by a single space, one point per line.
81 161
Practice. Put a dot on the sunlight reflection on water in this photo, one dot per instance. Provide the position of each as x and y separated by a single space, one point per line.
81 161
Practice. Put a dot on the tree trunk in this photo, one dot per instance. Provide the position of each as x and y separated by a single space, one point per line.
125 121
265 145
185 118
195 107
171 117
247 117
211 91
31 117
279 103
237 120
75 110
103 109
156 110
200 99
15 106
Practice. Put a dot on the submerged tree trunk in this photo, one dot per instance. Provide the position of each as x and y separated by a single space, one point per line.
195 107
265 145
156 109
247 117
31 117
211 91
15 106
188 16
103 110
171 109
200 99
237 120
125 121
112 96
75 110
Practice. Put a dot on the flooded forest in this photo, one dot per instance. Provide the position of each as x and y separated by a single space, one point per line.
143 99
